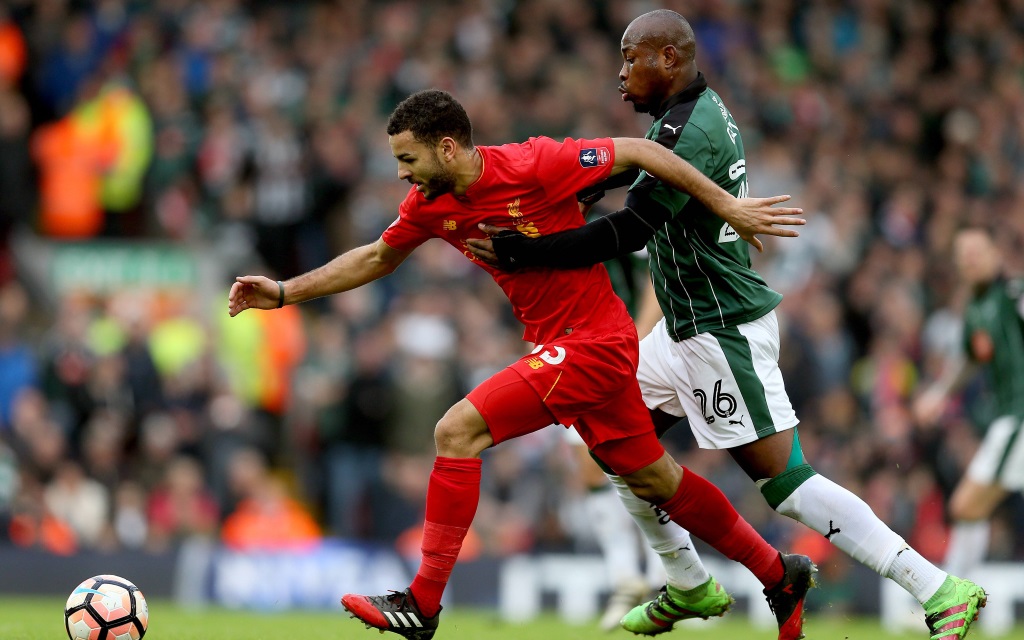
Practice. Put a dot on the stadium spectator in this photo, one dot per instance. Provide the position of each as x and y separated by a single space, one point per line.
8 487
103 449
32 525
71 163
129 526
125 119
270 520
80 501
16 176
266 517
353 397
18 366
515 491
180 507
13 52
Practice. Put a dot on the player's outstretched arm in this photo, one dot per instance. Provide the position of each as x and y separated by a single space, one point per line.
747 216
629 229
616 234
350 270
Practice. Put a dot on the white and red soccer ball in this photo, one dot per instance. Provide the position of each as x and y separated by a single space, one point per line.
106 608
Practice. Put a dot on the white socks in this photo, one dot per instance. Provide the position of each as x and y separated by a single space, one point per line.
915 574
850 524
968 544
670 541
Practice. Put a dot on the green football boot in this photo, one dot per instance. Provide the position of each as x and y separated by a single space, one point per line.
953 608
673 605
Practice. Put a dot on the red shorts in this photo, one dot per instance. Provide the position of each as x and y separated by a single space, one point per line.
586 382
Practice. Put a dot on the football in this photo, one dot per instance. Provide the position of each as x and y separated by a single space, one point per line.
106 608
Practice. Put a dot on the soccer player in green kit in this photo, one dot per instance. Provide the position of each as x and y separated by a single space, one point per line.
714 357
994 338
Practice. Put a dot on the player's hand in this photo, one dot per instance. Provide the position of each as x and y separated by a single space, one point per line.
751 216
483 248
252 292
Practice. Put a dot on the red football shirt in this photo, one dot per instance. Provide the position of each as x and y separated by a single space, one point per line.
530 186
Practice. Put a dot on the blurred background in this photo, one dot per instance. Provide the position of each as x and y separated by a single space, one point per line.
151 151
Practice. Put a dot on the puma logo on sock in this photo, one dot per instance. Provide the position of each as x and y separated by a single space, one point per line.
831 531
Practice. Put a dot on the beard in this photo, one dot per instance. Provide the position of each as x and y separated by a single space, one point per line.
442 182
640 107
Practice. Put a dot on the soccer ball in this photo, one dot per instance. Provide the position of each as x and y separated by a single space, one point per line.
106 608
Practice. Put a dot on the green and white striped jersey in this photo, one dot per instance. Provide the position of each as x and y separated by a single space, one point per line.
994 335
700 267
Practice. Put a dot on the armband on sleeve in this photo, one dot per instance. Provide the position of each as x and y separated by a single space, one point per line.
622 232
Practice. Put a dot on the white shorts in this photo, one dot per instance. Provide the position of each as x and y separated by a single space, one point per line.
727 381
1000 458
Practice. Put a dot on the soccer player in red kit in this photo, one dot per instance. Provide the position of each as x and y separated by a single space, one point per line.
583 370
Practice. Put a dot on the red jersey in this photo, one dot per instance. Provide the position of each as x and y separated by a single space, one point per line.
531 186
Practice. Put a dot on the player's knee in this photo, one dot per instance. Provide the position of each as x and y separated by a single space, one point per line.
458 435
646 490
656 483
777 490
453 438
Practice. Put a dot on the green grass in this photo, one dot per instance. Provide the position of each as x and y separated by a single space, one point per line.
40 619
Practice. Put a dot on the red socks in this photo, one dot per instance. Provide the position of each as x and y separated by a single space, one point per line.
703 509
454 492
452 497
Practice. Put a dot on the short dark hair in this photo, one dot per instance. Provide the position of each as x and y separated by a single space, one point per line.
431 115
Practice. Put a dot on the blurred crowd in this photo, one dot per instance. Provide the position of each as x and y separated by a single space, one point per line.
257 128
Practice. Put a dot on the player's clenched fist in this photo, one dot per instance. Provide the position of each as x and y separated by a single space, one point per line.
254 292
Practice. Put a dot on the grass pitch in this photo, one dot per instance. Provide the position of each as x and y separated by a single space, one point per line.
41 619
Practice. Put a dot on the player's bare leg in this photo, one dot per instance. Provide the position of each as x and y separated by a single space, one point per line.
794 489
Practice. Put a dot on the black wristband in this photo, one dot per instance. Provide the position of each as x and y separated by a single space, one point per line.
507 246
280 294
